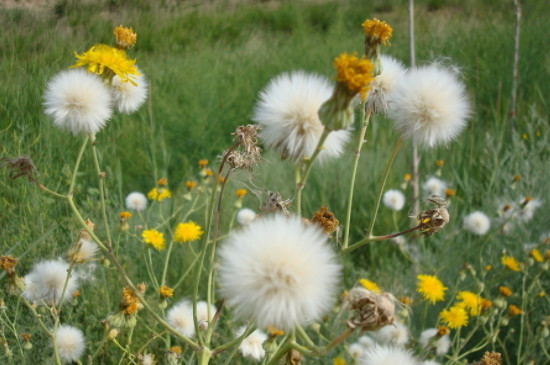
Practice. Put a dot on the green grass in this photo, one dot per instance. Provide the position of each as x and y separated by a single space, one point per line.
206 63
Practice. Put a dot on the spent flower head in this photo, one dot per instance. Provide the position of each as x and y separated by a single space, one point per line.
124 37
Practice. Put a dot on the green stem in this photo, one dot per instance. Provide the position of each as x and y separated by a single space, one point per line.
308 164
234 342
166 261
186 273
101 177
77 164
368 239
384 178
357 155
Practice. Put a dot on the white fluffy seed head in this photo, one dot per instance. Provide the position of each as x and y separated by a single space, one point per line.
136 201
202 314
70 343
430 105
147 359
527 213
129 97
394 199
287 110
428 339
46 281
83 250
252 346
387 355
245 216
434 186
393 334
477 223
180 316
279 272
382 87
355 350
78 101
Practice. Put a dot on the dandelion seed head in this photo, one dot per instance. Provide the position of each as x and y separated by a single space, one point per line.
387 355
287 110
180 316
394 199
78 101
477 222
46 281
136 201
393 334
429 337
434 186
430 105
278 271
245 216
129 97
381 90
252 346
70 343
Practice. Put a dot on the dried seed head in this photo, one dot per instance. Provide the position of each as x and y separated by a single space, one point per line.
326 220
371 311
20 166
433 220
8 263
275 204
490 358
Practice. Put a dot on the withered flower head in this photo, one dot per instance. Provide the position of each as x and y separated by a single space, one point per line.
20 166
248 155
433 220
490 358
326 220
371 311
7 263
274 203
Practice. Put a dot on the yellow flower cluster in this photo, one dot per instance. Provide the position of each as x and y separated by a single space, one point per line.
159 194
354 72
108 61
431 288
187 232
471 302
154 238
377 31
124 37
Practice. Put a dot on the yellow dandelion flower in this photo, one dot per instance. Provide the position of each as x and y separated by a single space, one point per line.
442 331
431 288
377 31
355 73
454 317
208 172
407 177
406 300
338 361
124 37
449 193
154 238
274 331
190 185
516 178
131 308
162 181
514 310
187 232
175 349
488 267
203 163
541 294
166 292
504 291
159 194
108 61
510 263
125 215
536 255
469 301
240 193
370 285
485 304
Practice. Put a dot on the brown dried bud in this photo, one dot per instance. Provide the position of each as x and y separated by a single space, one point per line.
433 220
20 166
490 358
8 263
275 204
371 311
293 357
326 220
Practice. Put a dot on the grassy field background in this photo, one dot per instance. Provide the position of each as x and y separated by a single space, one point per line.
206 62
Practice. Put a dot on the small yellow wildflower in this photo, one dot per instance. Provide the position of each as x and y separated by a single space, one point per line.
166 292
516 178
131 308
370 285
203 163
504 291
76 294
510 263
159 194
485 304
274 331
108 61
187 232
541 294
338 361
439 163
355 73
240 193
125 215
488 267
406 300
469 301
407 177
162 181
190 185
154 238
124 37
455 317
450 193
176 349
431 288
536 255
208 172
525 136
514 310
377 31
442 331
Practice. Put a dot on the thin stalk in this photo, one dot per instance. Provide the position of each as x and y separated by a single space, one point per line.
384 178
307 168
357 155
186 273
101 177
234 342
166 261
77 164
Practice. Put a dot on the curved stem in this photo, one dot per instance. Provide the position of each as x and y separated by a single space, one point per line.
357 155
368 239
384 178
308 164
77 164
166 261
101 177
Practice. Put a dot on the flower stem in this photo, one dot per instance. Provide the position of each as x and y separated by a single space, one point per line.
384 178
357 155
307 168
77 164
101 177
